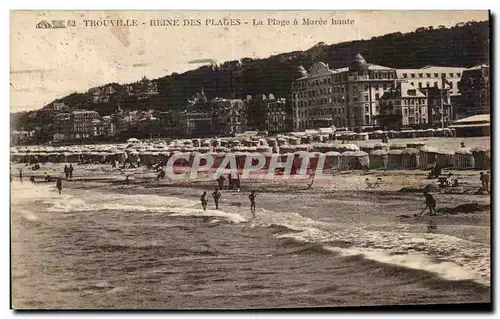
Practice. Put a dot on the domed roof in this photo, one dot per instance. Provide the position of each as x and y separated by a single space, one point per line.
301 71
359 65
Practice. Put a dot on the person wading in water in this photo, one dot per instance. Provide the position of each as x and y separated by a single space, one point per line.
216 195
70 170
59 184
204 201
252 202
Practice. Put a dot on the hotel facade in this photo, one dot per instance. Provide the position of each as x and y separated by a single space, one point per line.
349 97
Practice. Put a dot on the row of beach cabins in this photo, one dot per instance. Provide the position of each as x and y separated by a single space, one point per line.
338 155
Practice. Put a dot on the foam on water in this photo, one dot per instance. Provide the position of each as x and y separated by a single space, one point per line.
450 257
89 201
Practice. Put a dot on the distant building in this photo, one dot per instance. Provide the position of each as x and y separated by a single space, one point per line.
63 127
20 137
431 76
440 110
83 123
110 125
403 106
348 97
228 116
266 113
196 123
345 97
56 107
476 125
102 94
475 88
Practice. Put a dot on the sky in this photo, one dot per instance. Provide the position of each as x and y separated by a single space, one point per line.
46 64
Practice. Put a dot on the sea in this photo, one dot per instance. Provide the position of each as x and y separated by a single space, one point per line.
100 249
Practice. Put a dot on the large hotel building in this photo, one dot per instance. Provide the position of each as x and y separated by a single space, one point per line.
349 96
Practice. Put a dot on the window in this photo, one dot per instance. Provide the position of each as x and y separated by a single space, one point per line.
420 85
413 75
366 109
420 75
366 87
435 84
412 84
405 75
436 75
458 75
366 97
450 74
406 111
375 87
377 96
378 108
443 75
427 84
428 75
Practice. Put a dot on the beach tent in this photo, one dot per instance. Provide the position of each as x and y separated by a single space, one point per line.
305 139
410 158
332 160
287 149
133 140
220 149
445 158
463 159
204 149
428 156
378 159
362 136
303 148
196 142
264 149
394 159
397 146
381 146
415 145
271 141
334 147
351 160
482 158
367 148
294 140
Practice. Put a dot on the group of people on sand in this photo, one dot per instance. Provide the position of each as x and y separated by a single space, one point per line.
68 171
216 195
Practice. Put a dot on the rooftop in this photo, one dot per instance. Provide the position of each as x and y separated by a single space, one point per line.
474 118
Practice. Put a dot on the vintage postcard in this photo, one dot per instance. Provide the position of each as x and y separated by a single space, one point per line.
250 159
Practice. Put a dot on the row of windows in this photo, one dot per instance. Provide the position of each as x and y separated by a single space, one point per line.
427 84
428 75
415 120
321 112
375 87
